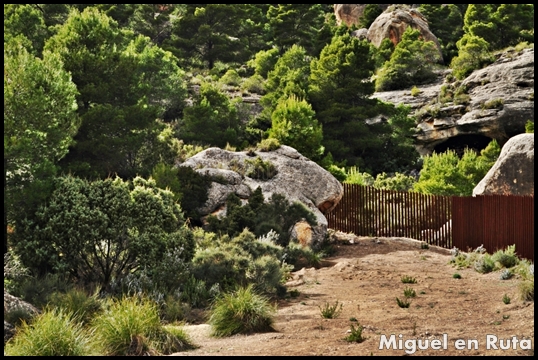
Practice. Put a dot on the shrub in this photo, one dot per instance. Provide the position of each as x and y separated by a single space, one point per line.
456 276
84 307
126 327
506 299
269 144
415 91
241 311
493 104
356 334
526 290
485 264
53 333
409 292
506 274
329 311
506 258
403 303
406 279
231 77
260 169
171 339
18 316
254 84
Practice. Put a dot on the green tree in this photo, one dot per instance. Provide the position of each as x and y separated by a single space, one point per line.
370 13
103 230
447 174
208 33
294 124
446 23
411 63
339 90
212 120
126 84
500 25
39 123
295 24
473 53
26 20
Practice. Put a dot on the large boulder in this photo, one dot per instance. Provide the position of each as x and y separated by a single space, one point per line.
12 303
513 172
350 14
296 177
392 23
508 82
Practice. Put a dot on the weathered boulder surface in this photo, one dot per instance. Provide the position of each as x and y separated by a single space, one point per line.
12 303
297 178
392 23
513 172
509 81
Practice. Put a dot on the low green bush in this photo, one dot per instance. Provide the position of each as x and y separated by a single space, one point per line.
355 334
329 311
84 307
52 333
241 311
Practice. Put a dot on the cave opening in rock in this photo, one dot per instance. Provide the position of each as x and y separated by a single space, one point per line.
459 143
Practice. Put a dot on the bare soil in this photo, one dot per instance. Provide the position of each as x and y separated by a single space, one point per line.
365 277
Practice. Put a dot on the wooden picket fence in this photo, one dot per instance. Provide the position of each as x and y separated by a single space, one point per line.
494 221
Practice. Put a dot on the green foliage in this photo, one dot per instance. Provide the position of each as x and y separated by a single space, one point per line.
53 333
103 230
260 169
37 289
231 77
264 61
295 24
526 290
370 13
27 23
294 124
506 299
445 21
529 127
415 91
254 84
473 53
411 63
353 176
208 33
212 120
493 104
506 258
19 316
447 174
500 25
485 264
268 144
289 77
403 303
82 307
355 334
339 91
397 182
406 279
329 311
242 311
456 276
125 84
409 292
39 124
131 326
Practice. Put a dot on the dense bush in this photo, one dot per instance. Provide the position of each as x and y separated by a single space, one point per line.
102 230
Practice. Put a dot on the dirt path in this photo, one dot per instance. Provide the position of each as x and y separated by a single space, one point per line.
365 277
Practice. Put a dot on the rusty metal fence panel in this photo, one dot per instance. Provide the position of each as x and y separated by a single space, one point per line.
367 211
495 221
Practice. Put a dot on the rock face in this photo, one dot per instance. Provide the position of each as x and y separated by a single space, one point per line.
297 178
513 172
350 14
509 82
12 303
391 24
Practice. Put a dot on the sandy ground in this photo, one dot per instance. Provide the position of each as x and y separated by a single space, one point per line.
448 316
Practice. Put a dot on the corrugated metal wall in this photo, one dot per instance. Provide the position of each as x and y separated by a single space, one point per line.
447 221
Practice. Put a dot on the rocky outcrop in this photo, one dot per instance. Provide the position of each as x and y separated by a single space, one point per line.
500 100
295 177
513 172
12 303
350 14
392 23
